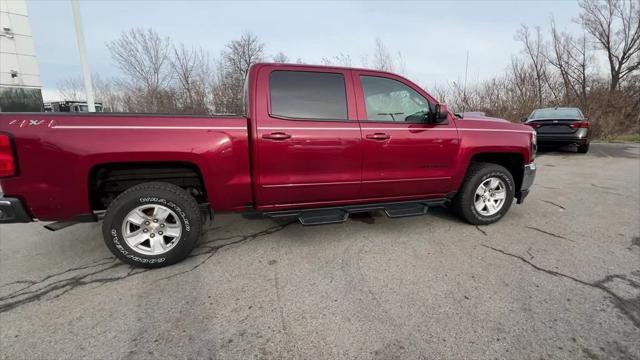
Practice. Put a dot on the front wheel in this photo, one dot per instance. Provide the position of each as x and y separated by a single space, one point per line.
152 225
486 194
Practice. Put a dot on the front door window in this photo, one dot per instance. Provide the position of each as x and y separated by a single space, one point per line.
390 100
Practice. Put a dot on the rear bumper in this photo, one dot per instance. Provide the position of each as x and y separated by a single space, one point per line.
581 136
12 211
528 177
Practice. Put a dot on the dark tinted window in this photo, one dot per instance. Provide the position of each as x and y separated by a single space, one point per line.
391 100
557 113
308 95
15 99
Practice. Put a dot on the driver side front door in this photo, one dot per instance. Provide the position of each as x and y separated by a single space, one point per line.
404 156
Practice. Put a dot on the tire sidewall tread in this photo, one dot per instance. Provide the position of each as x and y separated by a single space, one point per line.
463 204
158 193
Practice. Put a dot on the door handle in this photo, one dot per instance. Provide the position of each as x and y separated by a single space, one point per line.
276 136
379 136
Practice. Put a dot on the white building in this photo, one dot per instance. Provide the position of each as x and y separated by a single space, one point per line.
20 87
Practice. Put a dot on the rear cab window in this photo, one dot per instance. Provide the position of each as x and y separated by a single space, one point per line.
307 95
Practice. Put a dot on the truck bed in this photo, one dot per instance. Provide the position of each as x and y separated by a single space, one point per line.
56 151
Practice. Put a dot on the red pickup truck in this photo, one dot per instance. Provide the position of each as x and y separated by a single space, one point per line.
316 143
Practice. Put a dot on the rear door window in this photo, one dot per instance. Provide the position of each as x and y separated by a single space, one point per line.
308 95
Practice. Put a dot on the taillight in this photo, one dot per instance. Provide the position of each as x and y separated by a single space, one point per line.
534 144
580 124
7 160
533 125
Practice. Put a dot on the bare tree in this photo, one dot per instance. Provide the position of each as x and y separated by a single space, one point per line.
236 60
338 60
571 57
524 89
534 50
280 57
193 76
382 59
144 57
615 25
227 92
241 54
106 92
72 88
400 64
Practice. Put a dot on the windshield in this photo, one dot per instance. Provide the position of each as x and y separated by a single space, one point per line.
559 113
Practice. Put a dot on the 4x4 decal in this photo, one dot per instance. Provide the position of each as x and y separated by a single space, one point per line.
32 122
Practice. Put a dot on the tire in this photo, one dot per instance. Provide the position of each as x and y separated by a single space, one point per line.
169 218
583 149
464 204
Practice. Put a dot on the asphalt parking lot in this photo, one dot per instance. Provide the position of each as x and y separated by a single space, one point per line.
558 277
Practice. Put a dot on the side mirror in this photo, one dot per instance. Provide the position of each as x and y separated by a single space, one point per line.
524 119
441 114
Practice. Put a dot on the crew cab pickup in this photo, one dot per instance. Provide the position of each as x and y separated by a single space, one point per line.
316 143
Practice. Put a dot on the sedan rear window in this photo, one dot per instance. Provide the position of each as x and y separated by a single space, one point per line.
559 113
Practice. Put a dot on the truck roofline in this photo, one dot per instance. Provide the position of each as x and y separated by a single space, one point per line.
325 67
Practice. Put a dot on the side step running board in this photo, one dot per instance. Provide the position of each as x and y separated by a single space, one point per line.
334 215
404 210
59 225
321 217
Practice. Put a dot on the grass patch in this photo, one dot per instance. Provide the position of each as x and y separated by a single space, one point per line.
622 138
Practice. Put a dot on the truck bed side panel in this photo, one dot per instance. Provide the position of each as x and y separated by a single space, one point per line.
56 154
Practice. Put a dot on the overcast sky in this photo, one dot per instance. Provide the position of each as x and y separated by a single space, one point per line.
433 37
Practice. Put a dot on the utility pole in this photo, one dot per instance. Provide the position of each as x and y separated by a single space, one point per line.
86 72
464 88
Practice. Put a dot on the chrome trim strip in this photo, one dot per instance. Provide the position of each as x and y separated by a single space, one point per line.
496 130
413 129
404 180
356 182
312 184
140 127
135 127
388 128
308 128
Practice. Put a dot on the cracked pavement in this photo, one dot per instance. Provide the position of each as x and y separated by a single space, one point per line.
558 277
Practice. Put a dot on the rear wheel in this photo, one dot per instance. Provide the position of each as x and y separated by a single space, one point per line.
486 194
152 225
583 148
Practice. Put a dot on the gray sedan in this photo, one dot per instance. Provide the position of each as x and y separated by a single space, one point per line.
561 126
